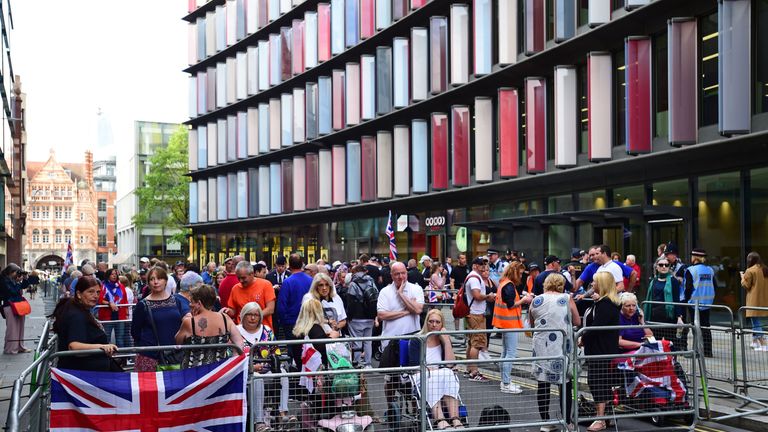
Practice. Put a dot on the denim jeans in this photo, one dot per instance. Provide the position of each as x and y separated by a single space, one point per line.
757 328
509 351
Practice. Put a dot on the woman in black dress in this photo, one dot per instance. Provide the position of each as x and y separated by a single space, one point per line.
78 329
605 312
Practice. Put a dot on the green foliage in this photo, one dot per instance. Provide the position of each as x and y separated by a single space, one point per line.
164 196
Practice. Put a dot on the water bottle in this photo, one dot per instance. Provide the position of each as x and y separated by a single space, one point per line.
679 333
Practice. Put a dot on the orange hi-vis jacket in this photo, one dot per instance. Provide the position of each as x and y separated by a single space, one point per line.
506 316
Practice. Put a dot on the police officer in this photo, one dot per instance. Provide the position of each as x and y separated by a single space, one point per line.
575 266
699 285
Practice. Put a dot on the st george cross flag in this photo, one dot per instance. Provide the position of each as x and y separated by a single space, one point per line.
311 360
205 398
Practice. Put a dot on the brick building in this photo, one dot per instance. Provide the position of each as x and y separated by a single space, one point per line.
62 208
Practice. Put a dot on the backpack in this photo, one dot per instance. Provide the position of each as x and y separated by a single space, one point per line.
342 385
494 415
364 292
460 305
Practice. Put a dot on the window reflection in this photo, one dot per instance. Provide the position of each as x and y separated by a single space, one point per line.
661 97
758 195
761 57
620 99
708 57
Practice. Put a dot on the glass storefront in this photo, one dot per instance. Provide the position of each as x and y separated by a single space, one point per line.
758 212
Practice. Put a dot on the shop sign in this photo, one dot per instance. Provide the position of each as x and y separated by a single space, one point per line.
435 224
402 223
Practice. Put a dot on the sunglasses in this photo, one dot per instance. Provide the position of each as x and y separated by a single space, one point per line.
662 265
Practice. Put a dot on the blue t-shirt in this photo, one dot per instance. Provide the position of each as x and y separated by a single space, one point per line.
183 304
591 269
292 292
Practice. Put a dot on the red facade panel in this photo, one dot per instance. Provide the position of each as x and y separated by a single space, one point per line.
287 170
638 87
297 40
460 130
439 151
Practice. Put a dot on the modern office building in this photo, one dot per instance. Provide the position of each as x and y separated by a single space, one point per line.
104 180
62 206
529 124
150 240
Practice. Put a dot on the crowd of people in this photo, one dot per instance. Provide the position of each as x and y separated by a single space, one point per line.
248 305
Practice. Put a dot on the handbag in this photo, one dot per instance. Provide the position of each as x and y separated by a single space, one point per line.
21 308
168 359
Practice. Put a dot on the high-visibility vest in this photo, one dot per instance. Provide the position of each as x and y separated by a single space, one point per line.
506 316
703 285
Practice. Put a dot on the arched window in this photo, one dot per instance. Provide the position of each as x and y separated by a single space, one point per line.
57 236
45 236
36 236
67 236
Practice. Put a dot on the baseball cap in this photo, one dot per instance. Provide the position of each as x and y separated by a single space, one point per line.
144 259
550 259
228 259
577 253
481 260
425 258
336 264
180 263
533 266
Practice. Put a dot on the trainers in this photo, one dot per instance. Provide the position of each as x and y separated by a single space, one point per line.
478 377
548 428
511 388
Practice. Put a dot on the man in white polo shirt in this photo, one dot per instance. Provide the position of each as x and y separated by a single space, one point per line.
399 308
602 256
478 299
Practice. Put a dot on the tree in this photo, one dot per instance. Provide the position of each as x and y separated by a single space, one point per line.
164 196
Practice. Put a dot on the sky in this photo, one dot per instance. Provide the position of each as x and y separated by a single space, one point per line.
78 56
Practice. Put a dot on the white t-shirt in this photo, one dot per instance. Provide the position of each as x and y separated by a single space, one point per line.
614 269
333 309
390 302
475 282
170 287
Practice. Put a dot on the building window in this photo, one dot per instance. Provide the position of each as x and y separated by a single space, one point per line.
102 205
708 69
82 216
102 240
661 97
758 195
36 236
35 212
45 236
761 54
57 236
67 213
82 239
102 222
58 212
620 99
46 213
67 236
583 111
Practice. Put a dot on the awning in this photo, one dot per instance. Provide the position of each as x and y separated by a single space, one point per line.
598 216
119 258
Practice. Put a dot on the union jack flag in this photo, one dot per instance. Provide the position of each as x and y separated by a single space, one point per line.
653 372
68 259
391 234
205 398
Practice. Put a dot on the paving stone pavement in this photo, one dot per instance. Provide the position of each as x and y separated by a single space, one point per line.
11 366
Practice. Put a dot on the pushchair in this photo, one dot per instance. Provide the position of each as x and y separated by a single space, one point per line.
410 355
335 401
652 384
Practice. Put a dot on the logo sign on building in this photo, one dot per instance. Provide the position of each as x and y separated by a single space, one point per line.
435 224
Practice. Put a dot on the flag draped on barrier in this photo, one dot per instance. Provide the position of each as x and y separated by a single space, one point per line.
210 397
390 231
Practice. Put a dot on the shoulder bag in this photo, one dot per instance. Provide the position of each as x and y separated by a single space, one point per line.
167 359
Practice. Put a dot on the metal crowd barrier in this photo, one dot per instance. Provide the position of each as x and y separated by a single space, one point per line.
614 374
722 364
754 359
117 330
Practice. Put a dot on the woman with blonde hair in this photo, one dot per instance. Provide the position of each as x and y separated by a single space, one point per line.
442 384
311 324
322 289
605 312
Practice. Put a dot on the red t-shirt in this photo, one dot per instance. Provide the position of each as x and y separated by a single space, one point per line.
105 313
226 286
260 291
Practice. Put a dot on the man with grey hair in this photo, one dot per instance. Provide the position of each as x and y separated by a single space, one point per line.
208 273
631 261
250 289
230 280
188 281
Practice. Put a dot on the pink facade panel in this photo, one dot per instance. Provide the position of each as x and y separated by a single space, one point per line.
313 182
368 168
297 40
339 121
460 130
367 18
536 124
439 151
323 32
509 133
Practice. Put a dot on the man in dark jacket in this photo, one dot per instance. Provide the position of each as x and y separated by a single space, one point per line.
360 302
414 275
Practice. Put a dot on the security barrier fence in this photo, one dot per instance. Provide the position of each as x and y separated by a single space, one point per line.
754 357
396 398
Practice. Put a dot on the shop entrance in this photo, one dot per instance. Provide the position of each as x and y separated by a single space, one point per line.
615 236
436 247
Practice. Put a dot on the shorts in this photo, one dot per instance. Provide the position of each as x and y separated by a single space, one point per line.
477 340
